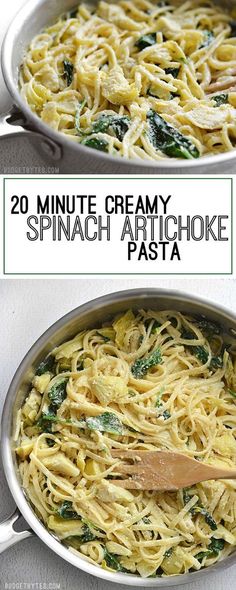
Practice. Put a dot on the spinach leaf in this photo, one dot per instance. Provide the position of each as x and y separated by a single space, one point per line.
45 421
146 41
208 37
87 535
96 143
66 511
167 139
199 509
173 71
214 548
68 71
57 394
112 561
48 418
168 552
220 99
208 327
46 366
216 362
201 353
106 422
208 518
141 366
200 556
233 28
216 545
119 124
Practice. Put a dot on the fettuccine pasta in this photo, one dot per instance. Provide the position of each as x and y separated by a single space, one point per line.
138 79
147 381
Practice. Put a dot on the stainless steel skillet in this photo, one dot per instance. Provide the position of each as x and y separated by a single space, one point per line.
69 156
85 316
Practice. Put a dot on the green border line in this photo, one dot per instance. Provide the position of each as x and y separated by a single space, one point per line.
156 274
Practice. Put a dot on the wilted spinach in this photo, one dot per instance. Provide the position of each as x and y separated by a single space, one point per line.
66 511
214 548
208 37
201 353
168 552
199 509
119 124
146 41
47 365
167 139
208 327
141 366
216 362
220 99
173 71
106 422
96 143
68 71
112 561
57 394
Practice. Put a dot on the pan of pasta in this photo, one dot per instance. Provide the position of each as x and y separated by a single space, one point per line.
127 86
135 370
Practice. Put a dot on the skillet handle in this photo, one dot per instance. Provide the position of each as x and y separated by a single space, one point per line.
8 536
14 123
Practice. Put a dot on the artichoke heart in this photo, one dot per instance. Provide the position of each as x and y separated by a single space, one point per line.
116 88
107 388
61 464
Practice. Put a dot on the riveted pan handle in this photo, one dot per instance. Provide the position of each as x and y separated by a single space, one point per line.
14 123
8 536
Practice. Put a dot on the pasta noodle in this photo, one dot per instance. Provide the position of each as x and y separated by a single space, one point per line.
148 380
138 79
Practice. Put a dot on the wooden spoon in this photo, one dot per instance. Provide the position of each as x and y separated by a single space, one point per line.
163 470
